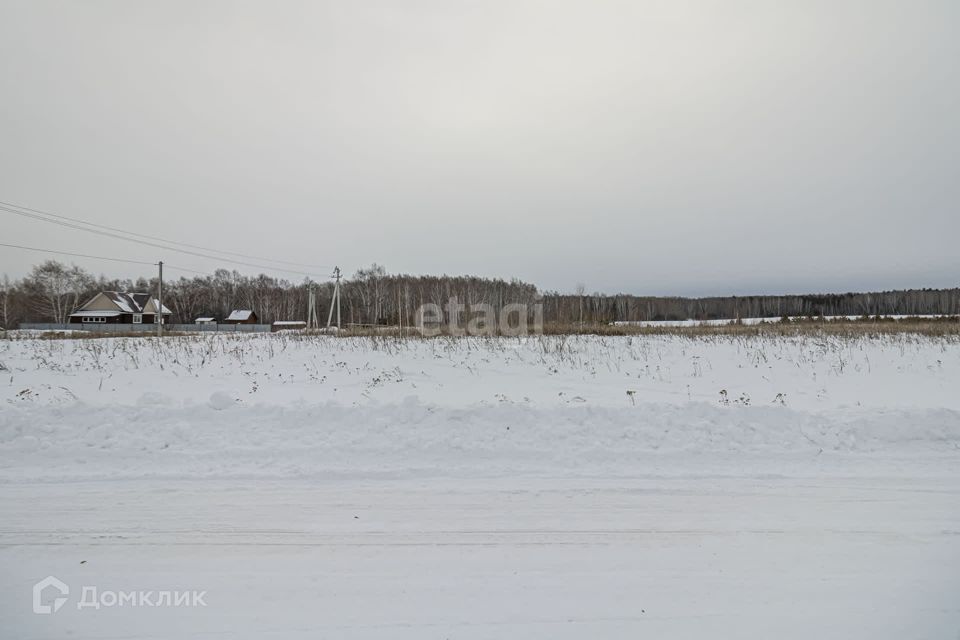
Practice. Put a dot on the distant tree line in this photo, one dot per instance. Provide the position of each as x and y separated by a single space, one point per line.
602 308
52 291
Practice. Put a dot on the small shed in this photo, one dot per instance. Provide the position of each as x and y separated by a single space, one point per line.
288 325
205 320
241 316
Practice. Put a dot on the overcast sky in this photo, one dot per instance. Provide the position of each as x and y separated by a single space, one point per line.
664 147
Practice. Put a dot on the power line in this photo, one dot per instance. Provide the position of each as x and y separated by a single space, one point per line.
170 266
158 239
76 255
151 244
86 255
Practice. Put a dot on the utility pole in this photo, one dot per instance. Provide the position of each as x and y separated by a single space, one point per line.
159 315
312 322
336 271
335 299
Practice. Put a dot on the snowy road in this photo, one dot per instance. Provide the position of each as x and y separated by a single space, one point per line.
723 556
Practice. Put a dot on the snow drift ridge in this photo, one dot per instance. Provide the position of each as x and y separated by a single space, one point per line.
84 441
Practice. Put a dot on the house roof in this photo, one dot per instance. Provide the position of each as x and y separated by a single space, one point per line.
156 304
240 314
125 303
204 319
128 302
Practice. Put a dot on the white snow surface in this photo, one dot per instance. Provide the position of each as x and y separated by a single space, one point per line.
719 322
649 486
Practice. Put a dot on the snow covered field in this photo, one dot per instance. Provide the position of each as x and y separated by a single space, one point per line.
469 488
755 321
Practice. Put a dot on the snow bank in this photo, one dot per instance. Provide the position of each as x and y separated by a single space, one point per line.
82 441
804 372
284 406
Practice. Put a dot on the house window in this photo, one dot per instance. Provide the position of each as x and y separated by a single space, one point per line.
137 318
94 319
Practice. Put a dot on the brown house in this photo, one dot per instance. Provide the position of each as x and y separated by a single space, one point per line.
116 307
241 316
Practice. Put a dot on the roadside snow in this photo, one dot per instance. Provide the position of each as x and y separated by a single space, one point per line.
224 439
806 373
535 488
